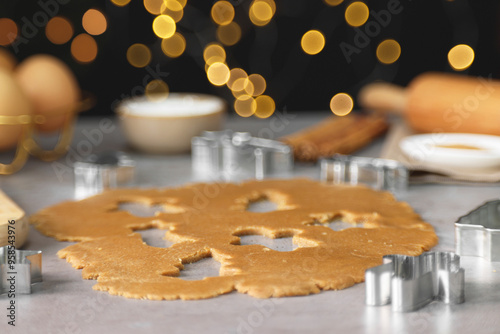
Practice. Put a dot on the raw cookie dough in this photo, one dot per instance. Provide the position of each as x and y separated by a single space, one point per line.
207 219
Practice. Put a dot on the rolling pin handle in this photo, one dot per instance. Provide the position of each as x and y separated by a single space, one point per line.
385 97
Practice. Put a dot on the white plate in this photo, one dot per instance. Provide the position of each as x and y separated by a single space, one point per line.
428 148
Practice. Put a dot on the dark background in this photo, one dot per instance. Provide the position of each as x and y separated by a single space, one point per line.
426 31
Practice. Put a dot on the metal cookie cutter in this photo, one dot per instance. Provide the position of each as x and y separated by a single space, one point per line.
478 232
411 282
237 155
102 171
19 269
380 174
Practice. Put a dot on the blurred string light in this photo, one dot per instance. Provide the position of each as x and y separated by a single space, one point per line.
218 74
461 57
94 22
341 104
153 6
156 90
214 53
312 42
164 26
259 84
174 9
120 3
174 46
84 48
222 12
234 75
356 14
241 87
333 2
261 12
59 30
265 106
139 55
245 106
8 31
229 34
388 51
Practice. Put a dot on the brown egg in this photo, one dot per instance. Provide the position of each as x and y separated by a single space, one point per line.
51 87
7 60
13 102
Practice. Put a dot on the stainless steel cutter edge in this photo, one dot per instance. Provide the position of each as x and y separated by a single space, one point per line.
389 174
219 154
26 270
93 176
477 233
411 282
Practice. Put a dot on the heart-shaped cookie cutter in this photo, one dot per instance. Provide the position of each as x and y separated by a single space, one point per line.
478 232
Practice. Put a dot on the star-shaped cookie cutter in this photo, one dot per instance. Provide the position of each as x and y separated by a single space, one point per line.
411 282
233 156
478 232
19 269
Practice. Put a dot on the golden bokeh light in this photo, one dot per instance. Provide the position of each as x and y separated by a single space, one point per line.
242 86
173 8
333 2
265 106
245 106
357 13
214 53
235 74
174 46
341 104
8 31
59 30
84 48
312 42
154 6
271 4
218 74
388 51
139 55
120 3
156 90
173 5
182 2
229 34
164 26
260 11
461 57
222 12
94 22
259 84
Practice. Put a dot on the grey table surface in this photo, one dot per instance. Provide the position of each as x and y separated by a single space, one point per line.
65 303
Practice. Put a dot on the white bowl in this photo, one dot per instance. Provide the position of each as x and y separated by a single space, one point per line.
462 150
167 125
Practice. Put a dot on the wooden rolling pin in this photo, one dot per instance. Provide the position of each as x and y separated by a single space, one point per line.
439 102
13 216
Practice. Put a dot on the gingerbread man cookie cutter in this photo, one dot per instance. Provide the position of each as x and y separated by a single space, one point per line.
233 156
411 282
380 174
19 269
478 232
